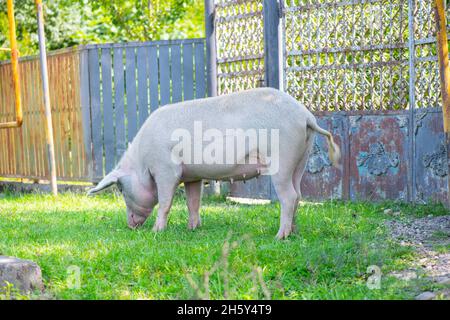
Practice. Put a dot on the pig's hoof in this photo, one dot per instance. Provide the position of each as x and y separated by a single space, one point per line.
283 233
194 224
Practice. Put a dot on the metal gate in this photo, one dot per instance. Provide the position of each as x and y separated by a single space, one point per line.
367 69
240 45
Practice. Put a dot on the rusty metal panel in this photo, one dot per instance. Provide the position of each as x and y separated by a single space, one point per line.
321 180
379 153
431 157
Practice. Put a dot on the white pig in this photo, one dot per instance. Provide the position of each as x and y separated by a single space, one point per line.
150 171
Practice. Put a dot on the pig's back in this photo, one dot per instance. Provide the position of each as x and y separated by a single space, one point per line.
255 108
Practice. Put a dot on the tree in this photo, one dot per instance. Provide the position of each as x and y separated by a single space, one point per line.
71 22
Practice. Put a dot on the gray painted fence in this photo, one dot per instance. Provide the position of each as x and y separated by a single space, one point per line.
123 83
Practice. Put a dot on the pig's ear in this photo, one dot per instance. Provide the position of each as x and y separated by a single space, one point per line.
106 182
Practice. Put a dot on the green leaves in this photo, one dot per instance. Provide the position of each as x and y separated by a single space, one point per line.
70 22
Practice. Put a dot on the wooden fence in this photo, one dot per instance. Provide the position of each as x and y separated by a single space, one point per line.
23 152
100 96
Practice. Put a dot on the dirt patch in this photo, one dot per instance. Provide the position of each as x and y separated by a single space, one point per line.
430 238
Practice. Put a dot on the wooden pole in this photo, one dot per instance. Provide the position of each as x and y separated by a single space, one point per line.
271 14
444 73
412 102
211 60
211 56
48 110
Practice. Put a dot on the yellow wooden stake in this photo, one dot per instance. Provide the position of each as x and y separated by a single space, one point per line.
15 68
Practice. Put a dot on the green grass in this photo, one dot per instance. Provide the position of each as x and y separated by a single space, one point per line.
326 259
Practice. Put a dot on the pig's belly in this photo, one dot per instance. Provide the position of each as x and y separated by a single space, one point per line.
225 172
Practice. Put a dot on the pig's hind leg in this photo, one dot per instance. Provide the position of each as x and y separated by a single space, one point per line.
287 195
193 199
300 170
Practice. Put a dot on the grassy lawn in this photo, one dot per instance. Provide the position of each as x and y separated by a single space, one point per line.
235 250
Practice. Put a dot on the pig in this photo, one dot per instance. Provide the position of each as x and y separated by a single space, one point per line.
150 171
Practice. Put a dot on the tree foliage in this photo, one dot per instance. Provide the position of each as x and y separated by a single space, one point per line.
71 22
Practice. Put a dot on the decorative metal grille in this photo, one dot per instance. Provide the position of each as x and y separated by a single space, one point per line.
347 55
240 44
337 54
427 85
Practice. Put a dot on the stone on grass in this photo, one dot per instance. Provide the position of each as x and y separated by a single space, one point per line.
24 275
444 281
427 295
405 275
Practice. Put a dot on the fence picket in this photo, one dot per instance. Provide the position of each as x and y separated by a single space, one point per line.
200 72
96 114
130 92
142 84
119 104
86 124
164 71
175 73
188 72
154 77
108 125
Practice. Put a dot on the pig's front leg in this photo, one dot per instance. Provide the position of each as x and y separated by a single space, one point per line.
193 198
166 191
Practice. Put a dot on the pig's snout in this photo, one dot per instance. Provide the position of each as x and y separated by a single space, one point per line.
135 220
